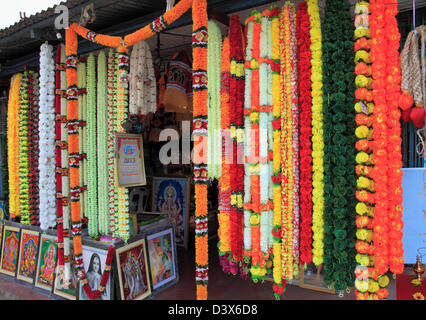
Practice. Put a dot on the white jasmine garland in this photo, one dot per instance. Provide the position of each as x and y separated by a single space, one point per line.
47 163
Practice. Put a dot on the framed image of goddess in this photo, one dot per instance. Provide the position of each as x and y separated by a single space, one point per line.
162 260
170 196
313 278
94 260
46 264
10 250
28 251
69 293
133 273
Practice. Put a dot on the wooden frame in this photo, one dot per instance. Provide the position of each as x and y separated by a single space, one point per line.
89 252
311 285
135 157
181 240
130 251
160 230
23 274
15 254
41 256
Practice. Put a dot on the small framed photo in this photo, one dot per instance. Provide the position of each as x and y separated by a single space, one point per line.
10 250
94 261
162 259
69 293
171 197
133 272
313 278
28 252
46 264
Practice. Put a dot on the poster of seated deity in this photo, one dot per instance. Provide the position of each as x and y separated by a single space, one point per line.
46 264
10 249
28 255
170 196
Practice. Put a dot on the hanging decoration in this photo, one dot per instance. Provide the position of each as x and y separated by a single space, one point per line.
214 155
223 217
102 146
92 183
305 101
142 84
199 53
13 144
339 159
317 135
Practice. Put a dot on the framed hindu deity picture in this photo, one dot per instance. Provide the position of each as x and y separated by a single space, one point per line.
10 250
133 272
162 258
170 196
129 160
94 261
28 251
313 278
70 292
46 263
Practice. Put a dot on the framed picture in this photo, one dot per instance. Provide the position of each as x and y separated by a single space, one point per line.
170 196
46 263
1 235
10 250
3 214
94 260
129 160
28 251
69 293
162 258
133 273
313 278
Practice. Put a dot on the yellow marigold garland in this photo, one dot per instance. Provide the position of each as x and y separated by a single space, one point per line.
317 135
13 144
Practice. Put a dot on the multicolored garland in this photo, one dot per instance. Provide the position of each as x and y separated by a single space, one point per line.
199 82
13 144
92 173
214 155
82 131
305 100
47 160
102 146
317 135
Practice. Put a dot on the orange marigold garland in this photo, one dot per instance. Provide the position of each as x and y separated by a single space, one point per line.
199 51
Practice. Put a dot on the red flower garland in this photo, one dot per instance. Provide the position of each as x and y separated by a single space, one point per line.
237 86
305 130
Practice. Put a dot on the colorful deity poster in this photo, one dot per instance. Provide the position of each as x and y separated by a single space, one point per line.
46 262
28 255
10 249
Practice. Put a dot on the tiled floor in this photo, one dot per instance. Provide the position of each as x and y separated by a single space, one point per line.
221 286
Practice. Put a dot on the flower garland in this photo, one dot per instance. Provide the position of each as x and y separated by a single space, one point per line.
213 73
121 115
13 144
82 132
317 135
199 66
157 25
237 85
279 284
92 183
224 181
286 143
102 150
339 158
112 205
305 101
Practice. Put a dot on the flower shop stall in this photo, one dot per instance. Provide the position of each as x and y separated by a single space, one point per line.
295 141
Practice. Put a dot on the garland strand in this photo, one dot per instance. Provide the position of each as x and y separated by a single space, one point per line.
102 150
82 132
213 73
339 157
199 66
92 184
317 135
305 101
13 144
